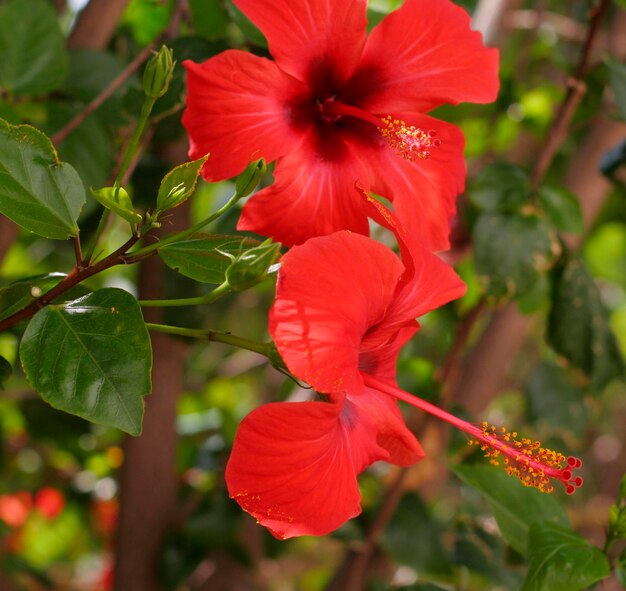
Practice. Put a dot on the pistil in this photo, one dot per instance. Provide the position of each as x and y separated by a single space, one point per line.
408 141
534 465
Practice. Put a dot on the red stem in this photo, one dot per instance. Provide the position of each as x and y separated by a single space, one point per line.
76 275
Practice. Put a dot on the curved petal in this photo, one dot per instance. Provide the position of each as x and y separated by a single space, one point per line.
313 194
434 284
381 346
330 292
238 109
294 465
421 56
424 192
317 41
392 434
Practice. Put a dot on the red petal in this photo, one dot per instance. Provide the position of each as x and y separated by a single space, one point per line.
391 432
434 284
309 38
423 55
313 195
238 110
387 219
330 292
292 468
424 192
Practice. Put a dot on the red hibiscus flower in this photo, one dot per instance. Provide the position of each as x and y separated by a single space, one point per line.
336 106
345 305
344 308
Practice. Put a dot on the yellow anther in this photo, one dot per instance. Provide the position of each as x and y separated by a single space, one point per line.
412 143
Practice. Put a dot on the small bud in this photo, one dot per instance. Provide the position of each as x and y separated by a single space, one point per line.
118 201
248 180
158 73
251 266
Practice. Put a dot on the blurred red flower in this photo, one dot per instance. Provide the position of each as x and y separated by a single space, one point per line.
336 106
15 507
49 502
345 305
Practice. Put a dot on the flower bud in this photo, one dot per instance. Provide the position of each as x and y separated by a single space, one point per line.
248 180
251 266
158 73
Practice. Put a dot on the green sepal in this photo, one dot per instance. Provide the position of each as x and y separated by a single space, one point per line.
251 266
118 201
179 184
249 179
158 73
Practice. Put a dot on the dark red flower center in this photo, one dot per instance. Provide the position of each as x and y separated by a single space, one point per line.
408 141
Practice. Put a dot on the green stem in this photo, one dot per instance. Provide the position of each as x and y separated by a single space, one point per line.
169 239
94 239
209 298
131 149
265 349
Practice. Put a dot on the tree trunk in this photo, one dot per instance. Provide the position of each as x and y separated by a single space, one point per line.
96 24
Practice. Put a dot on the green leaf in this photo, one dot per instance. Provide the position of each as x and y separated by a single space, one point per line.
414 538
146 19
37 191
209 18
117 201
514 506
21 293
179 184
200 256
247 27
5 371
501 187
18 295
578 325
535 297
605 252
617 78
511 252
34 60
92 358
561 560
563 209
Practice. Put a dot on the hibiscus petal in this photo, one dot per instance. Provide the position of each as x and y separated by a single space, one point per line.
423 55
384 217
313 194
383 414
330 292
238 109
381 346
317 41
434 284
423 192
292 468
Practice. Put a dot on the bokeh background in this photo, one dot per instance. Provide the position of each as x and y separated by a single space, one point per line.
77 498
